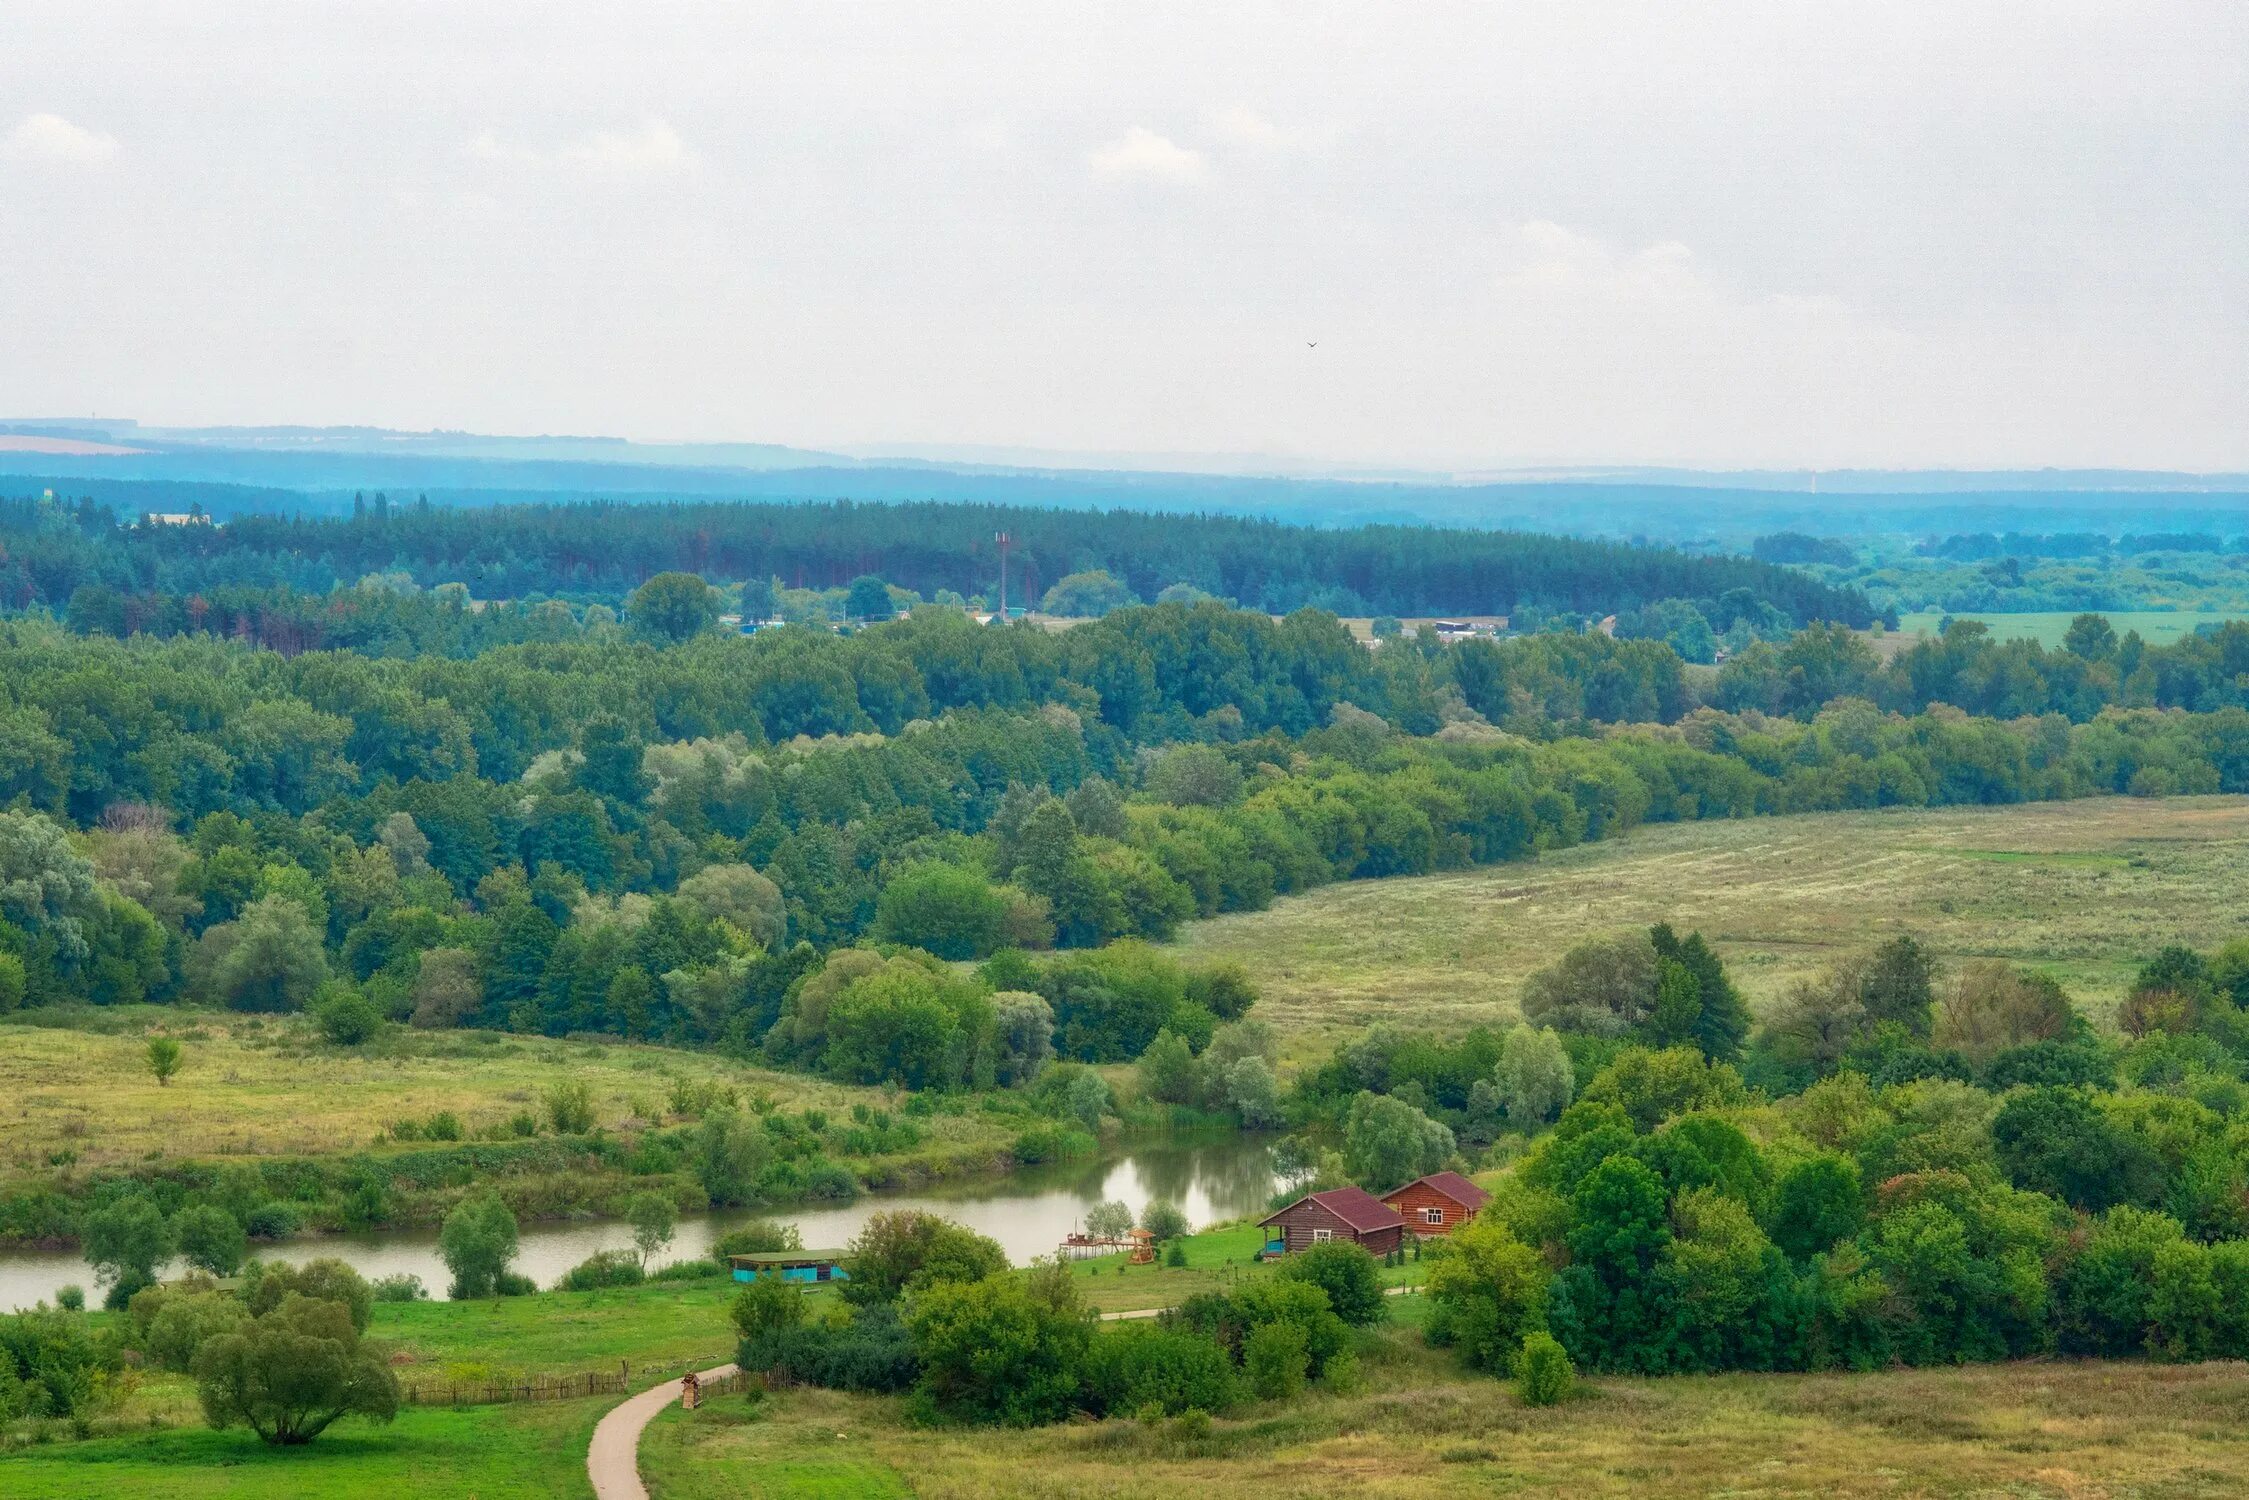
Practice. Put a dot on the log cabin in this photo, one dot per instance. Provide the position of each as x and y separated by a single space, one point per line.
1438 1203
1347 1213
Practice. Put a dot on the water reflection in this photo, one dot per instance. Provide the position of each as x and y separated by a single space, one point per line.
1028 1212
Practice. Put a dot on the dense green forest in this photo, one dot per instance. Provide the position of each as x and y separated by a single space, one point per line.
602 551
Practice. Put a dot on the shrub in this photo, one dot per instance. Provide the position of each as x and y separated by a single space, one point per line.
326 1280
184 1324
758 1237
1276 1360
48 1361
1544 1372
602 1269
1486 1290
1164 1220
348 1019
403 1286
1004 1349
274 1221
569 1104
1175 1255
442 1126
513 1284
71 1298
868 1351
1347 1273
907 1249
1141 1366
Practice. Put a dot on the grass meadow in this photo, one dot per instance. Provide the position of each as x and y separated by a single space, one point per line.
2158 627
77 1083
2084 889
2041 1431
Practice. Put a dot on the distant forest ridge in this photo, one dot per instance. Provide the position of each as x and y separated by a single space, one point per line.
320 473
608 548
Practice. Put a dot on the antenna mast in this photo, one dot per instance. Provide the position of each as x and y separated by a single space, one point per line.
1003 539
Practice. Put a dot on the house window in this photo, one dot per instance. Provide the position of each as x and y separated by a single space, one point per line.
1322 1236
1432 1216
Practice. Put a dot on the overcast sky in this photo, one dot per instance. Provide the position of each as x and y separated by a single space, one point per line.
1785 234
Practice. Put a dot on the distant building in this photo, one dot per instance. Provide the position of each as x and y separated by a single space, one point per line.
807 1266
1349 1213
1438 1203
173 518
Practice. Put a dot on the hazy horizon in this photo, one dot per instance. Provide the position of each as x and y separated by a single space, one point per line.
1460 239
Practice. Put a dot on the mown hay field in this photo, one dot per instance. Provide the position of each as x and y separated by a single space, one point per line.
2084 889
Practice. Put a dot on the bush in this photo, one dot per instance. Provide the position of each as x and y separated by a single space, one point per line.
1347 1273
603 1268
274 1221
1004 1349
348 1019
71 1298
184 1324
1139 1367
1164 1220
907 1249
758 1237
1544 1372
869 1351
323 1280
569 1104
514 1284
404 1286
1276 1360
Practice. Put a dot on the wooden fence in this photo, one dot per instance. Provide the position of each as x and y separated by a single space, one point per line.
530 1388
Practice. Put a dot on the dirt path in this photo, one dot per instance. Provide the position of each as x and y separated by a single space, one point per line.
613 1458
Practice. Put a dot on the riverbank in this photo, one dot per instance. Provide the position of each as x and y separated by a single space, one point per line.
1210 1178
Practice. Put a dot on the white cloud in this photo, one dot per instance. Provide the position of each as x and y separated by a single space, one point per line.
1140 152
653 150
1244 126
45 137
1547 257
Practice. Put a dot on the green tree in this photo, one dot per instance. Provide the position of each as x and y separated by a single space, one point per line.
1275 1360
210 1239
1486 1290
1108 1221
163 1058
268 959
1164 1220
2090 638
672 606
654 1219
292 1373
1386 1141
477 1241
868 599
125 1241
946 909
1092 593
1534 1078
1817 1202
1898 985
906 1250
726 1154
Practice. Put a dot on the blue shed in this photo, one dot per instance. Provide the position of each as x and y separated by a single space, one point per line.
810 1267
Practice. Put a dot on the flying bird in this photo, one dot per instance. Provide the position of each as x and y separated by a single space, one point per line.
1311 343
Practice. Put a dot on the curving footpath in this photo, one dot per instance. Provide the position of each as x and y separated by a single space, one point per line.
613 1458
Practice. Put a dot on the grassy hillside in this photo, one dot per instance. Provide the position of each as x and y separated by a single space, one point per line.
255 1086
2087 889
2051 1431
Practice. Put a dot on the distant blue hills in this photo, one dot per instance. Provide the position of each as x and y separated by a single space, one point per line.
235 470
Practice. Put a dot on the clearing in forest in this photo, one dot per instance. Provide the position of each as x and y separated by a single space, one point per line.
2083 889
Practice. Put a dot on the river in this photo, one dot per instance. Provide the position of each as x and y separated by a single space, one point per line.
1028 1212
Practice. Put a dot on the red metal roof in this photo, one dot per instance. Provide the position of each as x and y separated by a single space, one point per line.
1452 1185
1356 1207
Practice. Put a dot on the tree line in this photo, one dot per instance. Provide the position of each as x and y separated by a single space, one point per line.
603 550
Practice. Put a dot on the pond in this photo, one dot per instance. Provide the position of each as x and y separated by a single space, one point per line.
1028 1212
